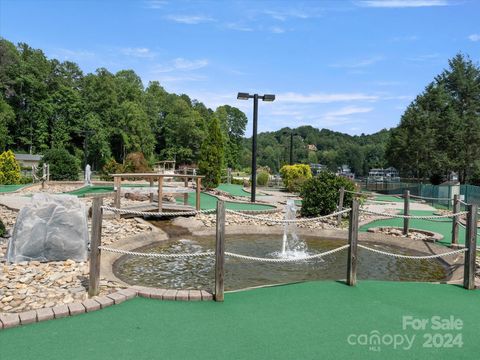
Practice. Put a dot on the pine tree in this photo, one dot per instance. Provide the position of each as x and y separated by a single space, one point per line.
212 154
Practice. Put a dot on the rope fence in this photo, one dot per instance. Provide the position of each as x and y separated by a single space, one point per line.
414 257
287 221
155 255
159 214
430 198
287 260
424 217
96 247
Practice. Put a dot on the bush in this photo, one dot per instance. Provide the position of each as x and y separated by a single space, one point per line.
262 178
26 180
111 167
63 165
240 182
136 163
9 169
320 194
295 175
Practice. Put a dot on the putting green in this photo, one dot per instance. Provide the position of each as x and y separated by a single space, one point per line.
315 320
10 188
442 226
233 189
208 201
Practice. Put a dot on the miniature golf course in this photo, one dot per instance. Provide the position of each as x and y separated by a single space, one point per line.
313 320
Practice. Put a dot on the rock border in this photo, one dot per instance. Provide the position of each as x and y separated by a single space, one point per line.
11 320
432 236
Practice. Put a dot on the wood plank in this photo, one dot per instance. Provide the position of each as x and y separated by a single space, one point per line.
406 211
220 252
352 241
95 242
471 244
340 205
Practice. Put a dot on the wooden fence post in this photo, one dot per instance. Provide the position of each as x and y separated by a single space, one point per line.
160 193
340 205
471 245
198 190
220 252
406 210
95 242
185 184
456 209
151 190
352 241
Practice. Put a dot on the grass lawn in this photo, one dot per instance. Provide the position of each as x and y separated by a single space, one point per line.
314 320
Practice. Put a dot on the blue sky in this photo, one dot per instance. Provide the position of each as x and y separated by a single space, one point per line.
350 66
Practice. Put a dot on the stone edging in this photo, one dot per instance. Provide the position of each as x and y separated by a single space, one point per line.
432 236
100 302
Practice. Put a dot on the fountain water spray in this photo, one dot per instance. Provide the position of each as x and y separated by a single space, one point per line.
292 245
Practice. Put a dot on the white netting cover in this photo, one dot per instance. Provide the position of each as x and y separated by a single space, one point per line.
50 228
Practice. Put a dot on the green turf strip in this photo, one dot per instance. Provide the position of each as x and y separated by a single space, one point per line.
10 188
233 189
442 226
208 201
301 321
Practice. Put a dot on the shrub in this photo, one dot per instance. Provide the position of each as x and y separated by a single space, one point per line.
111 167
295 175
26 180
9 168
262 178
320 194
240 182
63 165
136 163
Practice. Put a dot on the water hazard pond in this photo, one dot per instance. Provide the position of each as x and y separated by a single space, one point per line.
198 272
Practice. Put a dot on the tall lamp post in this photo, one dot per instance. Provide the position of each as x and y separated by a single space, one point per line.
292 133
255 97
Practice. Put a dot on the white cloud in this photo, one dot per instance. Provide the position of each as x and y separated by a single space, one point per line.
180 78
138 52
424 57
474 37
190 19
277 30
68 54
289 13
348 110
323 98
238 27
359 63
181 64
155 4
402 3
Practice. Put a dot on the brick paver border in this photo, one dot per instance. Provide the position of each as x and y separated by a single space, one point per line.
11 320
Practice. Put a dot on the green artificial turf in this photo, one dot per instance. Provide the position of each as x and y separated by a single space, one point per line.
442 226
304 321
208 201
233 189
10 188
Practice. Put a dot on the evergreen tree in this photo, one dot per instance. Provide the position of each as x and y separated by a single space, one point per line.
212 155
